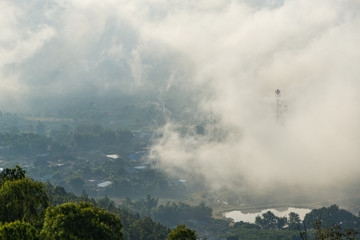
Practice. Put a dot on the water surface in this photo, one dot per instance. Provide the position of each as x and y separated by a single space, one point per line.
238 216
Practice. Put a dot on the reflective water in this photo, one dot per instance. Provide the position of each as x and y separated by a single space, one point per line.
250 217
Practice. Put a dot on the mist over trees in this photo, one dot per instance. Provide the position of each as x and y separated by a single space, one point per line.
152 119
160 71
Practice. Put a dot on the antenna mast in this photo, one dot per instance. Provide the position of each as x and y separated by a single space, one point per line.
211 122
277 94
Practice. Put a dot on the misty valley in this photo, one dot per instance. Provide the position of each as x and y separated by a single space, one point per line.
179 120
109 162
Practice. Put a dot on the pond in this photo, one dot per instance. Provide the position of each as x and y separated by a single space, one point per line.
238 216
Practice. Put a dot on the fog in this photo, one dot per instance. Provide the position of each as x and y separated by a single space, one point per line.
242 54
225 59
55 50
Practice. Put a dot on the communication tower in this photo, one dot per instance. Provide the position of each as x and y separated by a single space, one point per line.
277 94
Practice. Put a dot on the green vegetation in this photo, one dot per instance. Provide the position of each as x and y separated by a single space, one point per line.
172 213
18 230
182 233
21 198
74 157
253 234
332 216
243 230
32 210
329 223
67 152
335 232
134 227
270 221
10 174
80 221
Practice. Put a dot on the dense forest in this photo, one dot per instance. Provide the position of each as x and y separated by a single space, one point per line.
73 172
33 210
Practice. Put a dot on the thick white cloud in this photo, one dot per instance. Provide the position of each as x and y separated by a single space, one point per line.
242 54
19 42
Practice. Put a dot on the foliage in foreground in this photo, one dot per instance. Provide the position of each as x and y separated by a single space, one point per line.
23 203
18 230
181 232
21 198
22 214
80 221
333 233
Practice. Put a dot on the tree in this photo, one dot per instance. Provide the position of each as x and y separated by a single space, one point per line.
333 233
182 233
106 203
294 221
80 221
76 183
232 237
21 198
16 173
267 221
202 213
18 230
331 216
147 229
281 222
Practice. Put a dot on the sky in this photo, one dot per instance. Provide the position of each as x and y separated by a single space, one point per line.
230 55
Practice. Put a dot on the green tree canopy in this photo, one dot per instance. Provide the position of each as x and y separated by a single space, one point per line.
12 174
294 221
181 232
22 199
76 183
80 221
268 220
18 230
147 229
330 216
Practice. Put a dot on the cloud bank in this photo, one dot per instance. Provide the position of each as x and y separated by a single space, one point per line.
242 54
57 49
